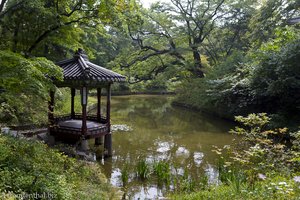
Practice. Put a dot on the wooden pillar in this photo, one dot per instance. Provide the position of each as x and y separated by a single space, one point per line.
98 141
73 92
108 106
51 108
84 98
108 138
99 105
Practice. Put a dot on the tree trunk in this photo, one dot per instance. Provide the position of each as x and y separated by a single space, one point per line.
197 68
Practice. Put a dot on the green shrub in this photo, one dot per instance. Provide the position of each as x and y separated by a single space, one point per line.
30 167
24 88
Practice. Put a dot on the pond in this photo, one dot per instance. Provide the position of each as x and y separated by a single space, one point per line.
147 127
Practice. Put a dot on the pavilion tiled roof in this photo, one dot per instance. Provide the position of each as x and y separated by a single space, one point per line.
79 68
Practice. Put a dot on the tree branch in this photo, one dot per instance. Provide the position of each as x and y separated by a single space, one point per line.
3 2
145 57
77 7
216 9
48 32
207 9
12 8
154 72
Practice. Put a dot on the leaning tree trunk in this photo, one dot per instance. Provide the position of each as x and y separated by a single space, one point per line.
197 69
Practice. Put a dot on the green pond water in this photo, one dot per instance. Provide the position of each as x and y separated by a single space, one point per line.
148 127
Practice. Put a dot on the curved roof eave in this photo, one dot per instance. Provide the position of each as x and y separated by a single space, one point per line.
79 69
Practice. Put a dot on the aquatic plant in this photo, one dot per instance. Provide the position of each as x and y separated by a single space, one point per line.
143 169
162 170
203 182
184 183
187 182
125 175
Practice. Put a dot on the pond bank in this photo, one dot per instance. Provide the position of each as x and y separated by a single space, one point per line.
207 112
126 93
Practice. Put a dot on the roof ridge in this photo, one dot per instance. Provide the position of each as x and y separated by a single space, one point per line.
84 66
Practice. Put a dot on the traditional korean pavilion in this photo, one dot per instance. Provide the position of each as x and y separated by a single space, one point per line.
82 75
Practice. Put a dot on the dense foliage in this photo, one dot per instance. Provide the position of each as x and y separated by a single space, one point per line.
30 167
265 80
34 34
25 85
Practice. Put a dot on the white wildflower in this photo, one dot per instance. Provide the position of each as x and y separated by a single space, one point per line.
297 179
262 176
282 183
278 188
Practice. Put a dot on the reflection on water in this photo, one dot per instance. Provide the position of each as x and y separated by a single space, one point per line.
120 127
157 131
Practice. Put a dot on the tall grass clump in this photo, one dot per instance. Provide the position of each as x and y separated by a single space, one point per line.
230 174
186 183
125 175
163 172
143 169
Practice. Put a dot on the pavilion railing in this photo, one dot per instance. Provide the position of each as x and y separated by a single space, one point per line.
91 132
78 116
